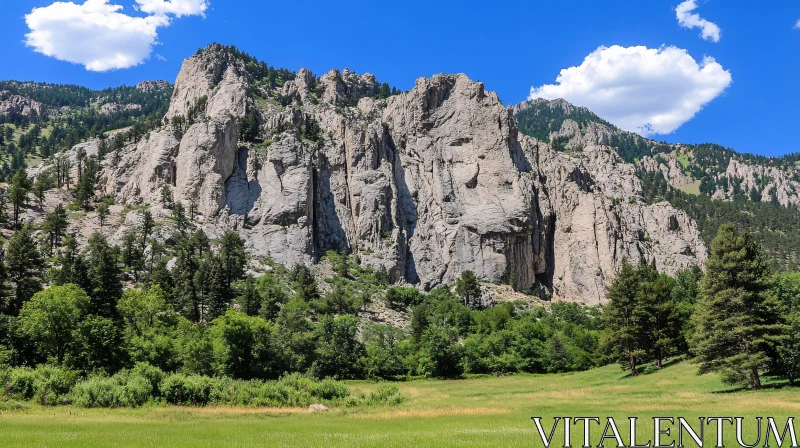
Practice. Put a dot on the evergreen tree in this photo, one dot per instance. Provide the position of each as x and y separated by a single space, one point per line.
147 228
74 269
656 312
102 213
179 216
25 265
233 258
54 226
737 320
218 293
623 329
166 196
786 288
468 290
18 193
304 283
247 296
105 276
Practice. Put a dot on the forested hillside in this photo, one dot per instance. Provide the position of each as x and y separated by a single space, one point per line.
38 120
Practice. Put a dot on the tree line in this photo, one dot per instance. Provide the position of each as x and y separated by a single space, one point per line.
736 318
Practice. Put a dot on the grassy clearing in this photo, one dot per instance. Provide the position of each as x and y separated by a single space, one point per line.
470 412
692 188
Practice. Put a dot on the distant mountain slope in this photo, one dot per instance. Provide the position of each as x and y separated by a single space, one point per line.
713 184
38 120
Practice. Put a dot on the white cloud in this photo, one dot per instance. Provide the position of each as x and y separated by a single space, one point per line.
640 89
797 25
99 35
687 19
179 8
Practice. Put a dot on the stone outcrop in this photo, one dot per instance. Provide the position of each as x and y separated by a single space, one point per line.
110 108
28 108
770 183
426 184
150 86
672 170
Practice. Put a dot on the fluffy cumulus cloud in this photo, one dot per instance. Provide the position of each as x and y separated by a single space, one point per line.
797 25
98 35
688 19
644 90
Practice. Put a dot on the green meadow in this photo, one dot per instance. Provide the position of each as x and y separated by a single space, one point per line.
484 411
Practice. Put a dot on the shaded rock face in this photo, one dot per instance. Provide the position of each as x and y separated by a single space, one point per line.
426 184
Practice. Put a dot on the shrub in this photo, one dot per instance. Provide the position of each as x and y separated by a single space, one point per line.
189 390
126 389
98 392
20 383
46 383
400 298
385 394
53 383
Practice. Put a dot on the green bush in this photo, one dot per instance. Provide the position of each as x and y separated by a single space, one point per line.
51 384
187 390
20 383
98 392
46 383
385 394
126 389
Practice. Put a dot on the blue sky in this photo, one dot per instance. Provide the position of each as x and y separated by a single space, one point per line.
511 46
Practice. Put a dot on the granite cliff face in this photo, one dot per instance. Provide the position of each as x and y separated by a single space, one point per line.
426 184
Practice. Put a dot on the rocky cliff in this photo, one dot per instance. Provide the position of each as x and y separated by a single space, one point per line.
427 183
28 108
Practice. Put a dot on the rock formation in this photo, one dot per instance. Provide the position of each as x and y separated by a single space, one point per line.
672 170
149 86
770 183
425 184
28 108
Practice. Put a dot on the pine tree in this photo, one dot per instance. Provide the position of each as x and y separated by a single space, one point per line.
233 258
25 266
247 297
105 276
656 312
102 213
217 292
147 227
737 320
18 193
166 196
55 226
179 215
623 329
787 290
468 290
74 269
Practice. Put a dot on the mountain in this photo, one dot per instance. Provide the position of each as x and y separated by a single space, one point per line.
423 184
713 184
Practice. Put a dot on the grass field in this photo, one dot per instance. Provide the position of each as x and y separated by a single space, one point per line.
457 413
